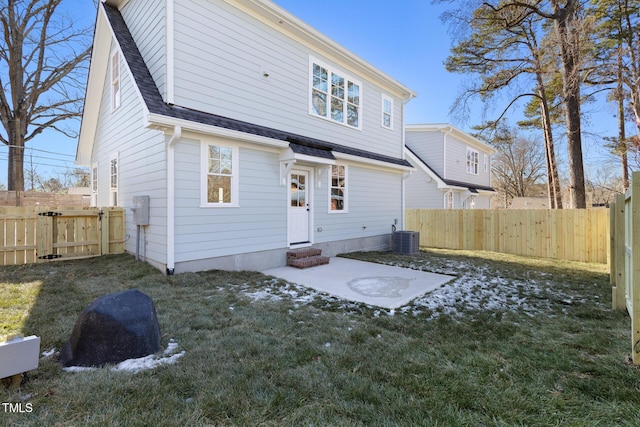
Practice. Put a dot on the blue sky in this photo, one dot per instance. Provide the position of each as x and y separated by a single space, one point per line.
407 41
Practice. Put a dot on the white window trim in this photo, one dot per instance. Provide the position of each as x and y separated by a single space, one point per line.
486 163
204 172
346 190
473 165
382 112
116 80
94 184
113 188
348 79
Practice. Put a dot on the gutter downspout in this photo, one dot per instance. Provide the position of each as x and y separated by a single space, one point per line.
171 172
403 192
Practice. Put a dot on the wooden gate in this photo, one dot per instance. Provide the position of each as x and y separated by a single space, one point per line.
625 258
29 235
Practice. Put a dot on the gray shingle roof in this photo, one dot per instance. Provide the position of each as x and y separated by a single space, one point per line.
156 105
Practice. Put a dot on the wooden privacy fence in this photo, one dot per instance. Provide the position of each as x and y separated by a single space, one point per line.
569 234
625 258
30 235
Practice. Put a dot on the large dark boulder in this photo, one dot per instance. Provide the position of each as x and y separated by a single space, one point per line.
113 328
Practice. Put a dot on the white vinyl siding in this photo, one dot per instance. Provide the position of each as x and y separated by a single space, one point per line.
141 164
220 55
115 80
374 205
260 221
146 20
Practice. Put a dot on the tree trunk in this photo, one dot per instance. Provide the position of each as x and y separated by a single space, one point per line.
553 181
569 53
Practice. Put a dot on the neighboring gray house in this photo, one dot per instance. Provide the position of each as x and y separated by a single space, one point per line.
452 168
250 132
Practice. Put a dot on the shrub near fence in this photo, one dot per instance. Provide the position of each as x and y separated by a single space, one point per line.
569 234
30 234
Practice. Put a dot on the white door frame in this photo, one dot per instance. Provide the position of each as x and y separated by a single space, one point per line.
309 201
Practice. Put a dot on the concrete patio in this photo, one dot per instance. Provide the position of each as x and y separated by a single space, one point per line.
370 283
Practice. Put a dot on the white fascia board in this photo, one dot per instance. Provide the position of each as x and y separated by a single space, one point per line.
95 85
371 162
283 21
162 122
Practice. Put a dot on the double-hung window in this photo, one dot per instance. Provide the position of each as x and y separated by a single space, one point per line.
220 175
113 179
338 189
472 161
335 96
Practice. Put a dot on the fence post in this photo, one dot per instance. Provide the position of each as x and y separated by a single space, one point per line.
103 231
45 236
634 271
618 254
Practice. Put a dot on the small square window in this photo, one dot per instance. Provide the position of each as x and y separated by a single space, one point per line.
387 112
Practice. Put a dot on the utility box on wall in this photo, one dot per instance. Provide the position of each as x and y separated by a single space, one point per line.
140 210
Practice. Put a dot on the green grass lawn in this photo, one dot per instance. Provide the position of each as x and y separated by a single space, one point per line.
511 341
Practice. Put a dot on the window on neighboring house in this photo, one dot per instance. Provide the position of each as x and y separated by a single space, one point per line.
113 179
115 80
94 185
486 163
472 161
448 200
335 96
387 112
338 193
220 186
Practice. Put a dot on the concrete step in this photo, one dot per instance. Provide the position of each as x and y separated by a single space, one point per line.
307 262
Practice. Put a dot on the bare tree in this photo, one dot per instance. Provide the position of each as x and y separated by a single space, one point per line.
518 166
43 64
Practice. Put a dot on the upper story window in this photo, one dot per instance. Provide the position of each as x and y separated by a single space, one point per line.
115 80
473 157
486 163
220 175
387 112
335 96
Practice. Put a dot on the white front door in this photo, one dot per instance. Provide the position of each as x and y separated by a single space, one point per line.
299 207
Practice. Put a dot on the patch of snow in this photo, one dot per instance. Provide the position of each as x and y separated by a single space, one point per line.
49 353
140 364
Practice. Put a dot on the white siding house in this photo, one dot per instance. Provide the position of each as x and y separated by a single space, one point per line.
250 132
452 168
